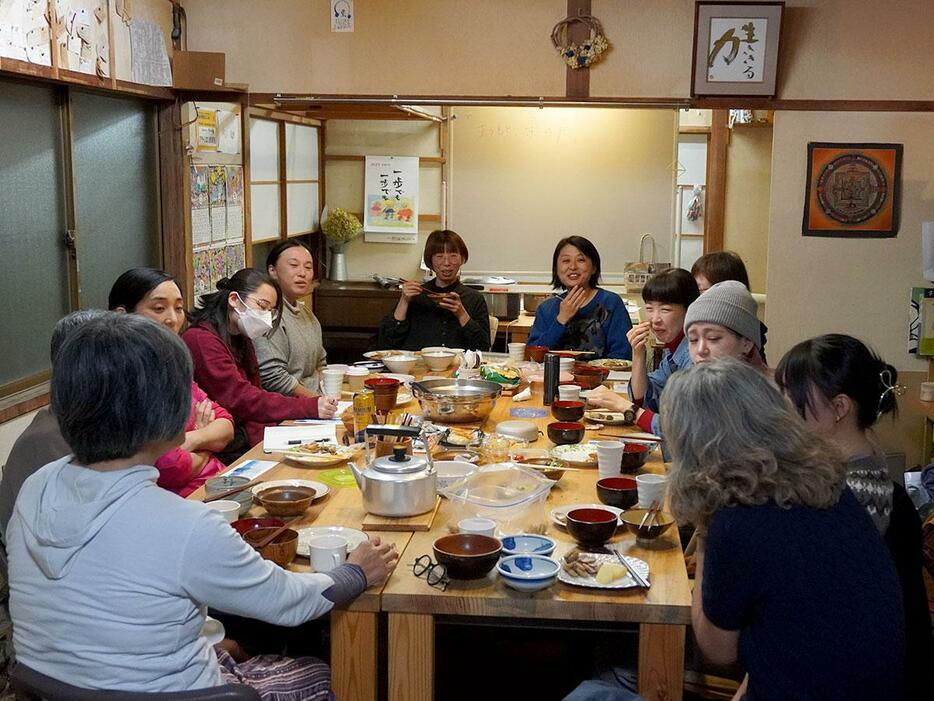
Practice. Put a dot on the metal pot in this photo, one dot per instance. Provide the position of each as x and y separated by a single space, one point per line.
456 401
397 485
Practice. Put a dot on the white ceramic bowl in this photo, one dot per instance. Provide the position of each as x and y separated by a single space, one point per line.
518 428
528 572
227 508
438 360
451 471
400 363
402 377
441 349
527 544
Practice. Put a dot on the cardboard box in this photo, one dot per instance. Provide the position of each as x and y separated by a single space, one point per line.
198 70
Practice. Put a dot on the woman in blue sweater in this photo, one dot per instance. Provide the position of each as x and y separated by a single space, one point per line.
584 317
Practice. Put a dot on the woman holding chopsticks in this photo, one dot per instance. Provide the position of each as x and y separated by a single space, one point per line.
442 311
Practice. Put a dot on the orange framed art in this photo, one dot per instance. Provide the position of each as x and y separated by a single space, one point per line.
853 190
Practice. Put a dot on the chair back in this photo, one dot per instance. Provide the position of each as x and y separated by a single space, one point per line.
494 327
30 685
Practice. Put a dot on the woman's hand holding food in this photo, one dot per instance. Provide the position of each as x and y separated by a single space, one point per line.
638 337
376 558
451 301
603 398
572 303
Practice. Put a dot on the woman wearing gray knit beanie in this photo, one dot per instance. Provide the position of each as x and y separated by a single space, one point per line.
723 323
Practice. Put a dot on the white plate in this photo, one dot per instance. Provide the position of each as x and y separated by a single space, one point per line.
213 630
559 513
612 363
404 398
343 454
353 536
614 418
577 455
320 488
626 582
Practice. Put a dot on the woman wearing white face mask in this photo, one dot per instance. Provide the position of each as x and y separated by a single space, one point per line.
245 307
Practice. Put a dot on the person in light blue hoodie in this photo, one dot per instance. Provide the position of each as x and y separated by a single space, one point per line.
110 576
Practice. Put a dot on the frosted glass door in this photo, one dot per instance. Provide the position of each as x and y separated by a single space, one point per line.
33 265
116 184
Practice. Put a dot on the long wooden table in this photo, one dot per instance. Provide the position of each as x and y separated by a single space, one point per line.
662 613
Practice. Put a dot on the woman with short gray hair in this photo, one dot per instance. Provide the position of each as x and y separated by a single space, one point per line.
788 562
105 562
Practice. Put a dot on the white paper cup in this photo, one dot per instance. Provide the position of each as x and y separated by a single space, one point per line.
651 487
227 508
481 526
355 378
516 352
569 393
609 457
327 552
566 364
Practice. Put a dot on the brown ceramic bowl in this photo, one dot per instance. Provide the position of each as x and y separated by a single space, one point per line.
548 467
591 527
565 432
536 353
243 525
567 410
633 517
634 456
588 376
281 550
286 501
617 491
467 555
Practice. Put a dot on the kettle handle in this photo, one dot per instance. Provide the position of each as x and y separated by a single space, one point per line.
392 430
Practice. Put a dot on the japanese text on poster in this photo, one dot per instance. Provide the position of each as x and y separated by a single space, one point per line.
391 199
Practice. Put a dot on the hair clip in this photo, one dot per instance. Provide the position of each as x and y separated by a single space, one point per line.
885 377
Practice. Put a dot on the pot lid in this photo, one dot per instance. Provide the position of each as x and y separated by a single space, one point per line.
399 463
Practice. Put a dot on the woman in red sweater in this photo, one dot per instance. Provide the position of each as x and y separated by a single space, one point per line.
245 306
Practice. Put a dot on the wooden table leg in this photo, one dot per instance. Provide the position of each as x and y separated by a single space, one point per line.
411 657
661 661
354 665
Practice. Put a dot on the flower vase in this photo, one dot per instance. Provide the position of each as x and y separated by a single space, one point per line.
338 268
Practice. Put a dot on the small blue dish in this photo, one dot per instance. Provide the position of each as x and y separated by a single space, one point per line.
527 544
528 572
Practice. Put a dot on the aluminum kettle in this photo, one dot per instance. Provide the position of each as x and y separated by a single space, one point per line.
397 485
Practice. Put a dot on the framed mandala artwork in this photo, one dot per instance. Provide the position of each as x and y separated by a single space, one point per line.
853 190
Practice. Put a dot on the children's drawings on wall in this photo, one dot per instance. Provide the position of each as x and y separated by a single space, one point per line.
216 224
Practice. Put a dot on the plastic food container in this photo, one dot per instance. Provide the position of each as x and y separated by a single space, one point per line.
511 495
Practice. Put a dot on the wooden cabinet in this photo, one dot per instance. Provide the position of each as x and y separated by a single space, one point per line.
350 313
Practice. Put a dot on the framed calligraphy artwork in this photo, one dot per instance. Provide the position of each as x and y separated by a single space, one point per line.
736 48
390 213
853 190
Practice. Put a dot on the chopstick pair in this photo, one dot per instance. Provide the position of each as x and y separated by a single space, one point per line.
231 492
640 581
650 515
276 533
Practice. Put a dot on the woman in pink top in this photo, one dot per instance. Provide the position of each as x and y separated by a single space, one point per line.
155 294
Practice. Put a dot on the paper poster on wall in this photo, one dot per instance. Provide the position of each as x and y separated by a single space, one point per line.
202 272
82 36
342 15
200 210
149 59
921 321
391 199
207 130
235 258
228 132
